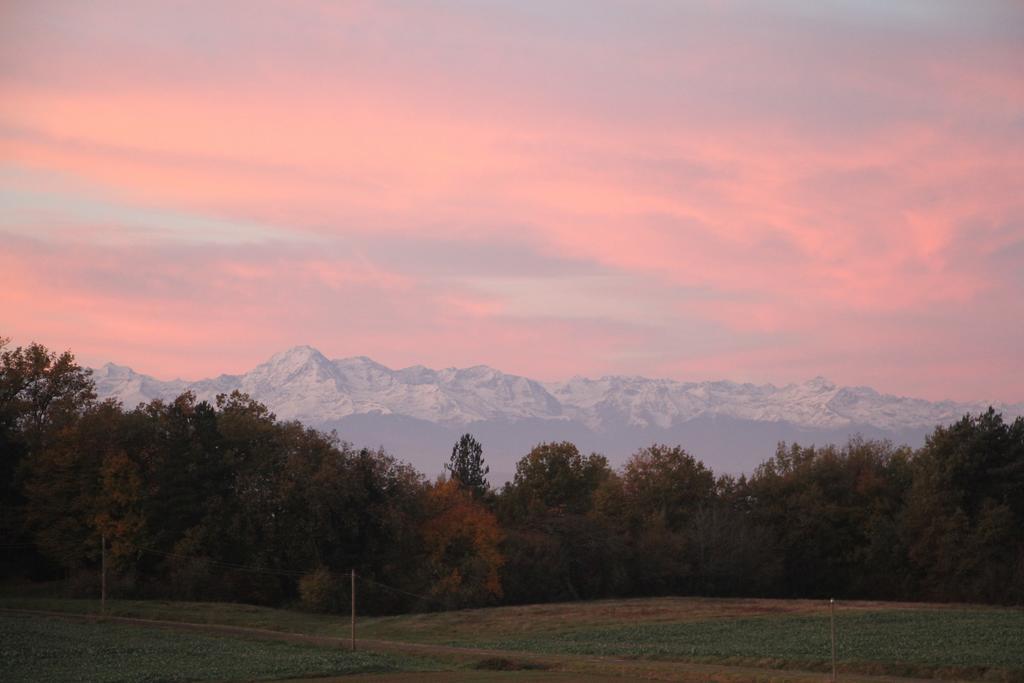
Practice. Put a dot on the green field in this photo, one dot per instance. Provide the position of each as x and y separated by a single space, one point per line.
971 642
962 639
49 649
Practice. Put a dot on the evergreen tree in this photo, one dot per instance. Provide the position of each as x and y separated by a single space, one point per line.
467 465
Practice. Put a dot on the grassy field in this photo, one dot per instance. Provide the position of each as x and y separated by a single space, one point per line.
232 614
972 642
47 649
906 641
52 649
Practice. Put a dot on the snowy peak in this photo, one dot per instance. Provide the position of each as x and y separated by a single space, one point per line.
301 383
296 362
297 356
131 388
820 384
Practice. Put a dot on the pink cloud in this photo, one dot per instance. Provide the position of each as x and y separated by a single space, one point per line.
809 205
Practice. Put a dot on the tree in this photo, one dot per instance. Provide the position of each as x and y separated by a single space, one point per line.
40 392
42 395
461 538
555 477
666 482
964 519
556 537
467 465
663 490
833 513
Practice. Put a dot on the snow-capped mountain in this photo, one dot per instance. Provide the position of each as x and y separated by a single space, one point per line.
304 385
420 408
816 403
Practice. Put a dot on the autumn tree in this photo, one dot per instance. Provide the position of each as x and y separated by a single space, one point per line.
64 488
461 539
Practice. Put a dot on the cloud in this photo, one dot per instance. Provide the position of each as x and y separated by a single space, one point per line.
759 192
45 205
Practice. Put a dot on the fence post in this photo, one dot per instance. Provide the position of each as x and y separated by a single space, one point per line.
832 619
103 575
353 610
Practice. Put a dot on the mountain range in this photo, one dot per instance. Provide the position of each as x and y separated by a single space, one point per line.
417 413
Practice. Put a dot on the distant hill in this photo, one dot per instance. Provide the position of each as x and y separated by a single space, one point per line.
417 413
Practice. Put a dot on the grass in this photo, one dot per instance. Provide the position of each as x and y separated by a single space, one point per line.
232 614
555 618
474 676
961 639
974 642
36 648
874 638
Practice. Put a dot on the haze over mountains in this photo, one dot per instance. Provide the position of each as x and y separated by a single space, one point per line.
416 413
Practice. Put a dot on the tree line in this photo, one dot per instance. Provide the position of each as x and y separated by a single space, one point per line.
223 501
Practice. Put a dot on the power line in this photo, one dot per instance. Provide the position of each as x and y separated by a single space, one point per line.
291 573
223 565
399 590
207 560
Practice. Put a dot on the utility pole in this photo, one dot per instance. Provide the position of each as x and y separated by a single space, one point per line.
353 609
832 619
103 575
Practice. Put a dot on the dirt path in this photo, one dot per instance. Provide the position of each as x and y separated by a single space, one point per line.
604 666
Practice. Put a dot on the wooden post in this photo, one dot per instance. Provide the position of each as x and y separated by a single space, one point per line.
832 619
103 575
353 610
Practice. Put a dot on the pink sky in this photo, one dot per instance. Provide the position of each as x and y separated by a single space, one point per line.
752 191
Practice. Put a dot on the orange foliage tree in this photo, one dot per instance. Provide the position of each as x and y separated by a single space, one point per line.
462 540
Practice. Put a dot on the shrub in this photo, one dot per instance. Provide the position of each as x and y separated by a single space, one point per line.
321 591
